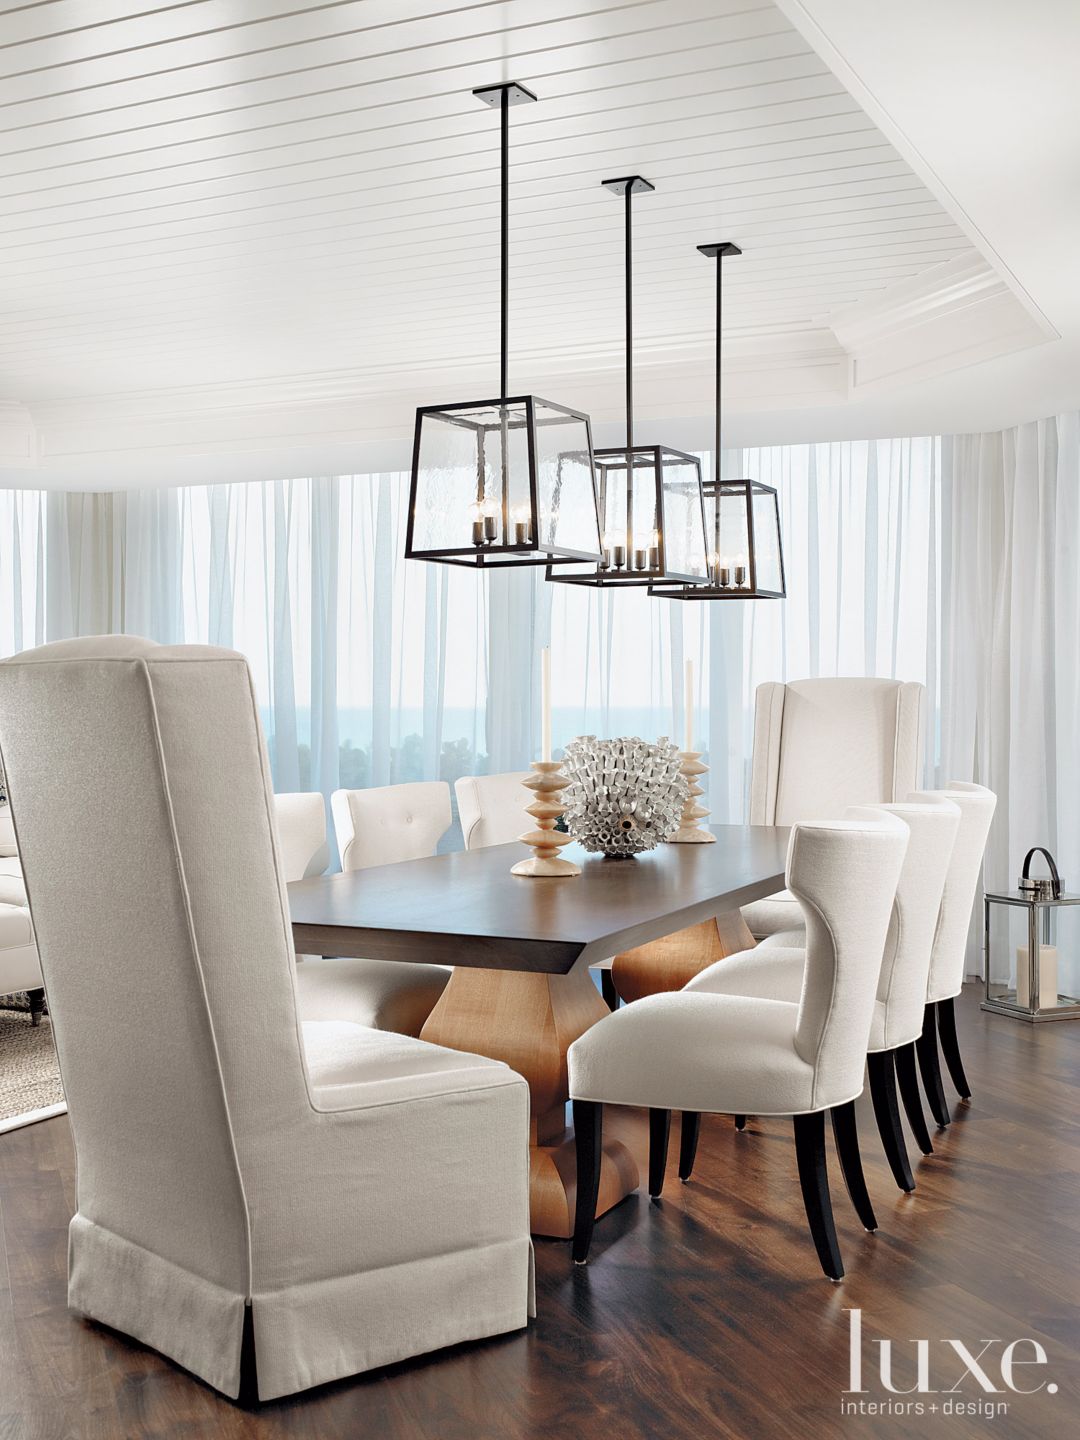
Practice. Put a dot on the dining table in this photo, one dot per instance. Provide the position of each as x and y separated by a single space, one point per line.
521 948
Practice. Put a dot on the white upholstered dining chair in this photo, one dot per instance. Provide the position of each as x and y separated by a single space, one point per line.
776 970
339 1197
822 745
947 961
695 1051
389 823
385 994
492 808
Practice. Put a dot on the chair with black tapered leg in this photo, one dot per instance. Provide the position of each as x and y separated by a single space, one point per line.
740 1122
588 1137
907 1085
947 963
699 1052
775 971
659 1132
688 1142
930 1070
846 1135
882 1074
946 1018
814 1183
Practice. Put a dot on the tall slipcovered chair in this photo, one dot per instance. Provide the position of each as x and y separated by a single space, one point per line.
822 745
380 993
773 972
697 1052
355 1197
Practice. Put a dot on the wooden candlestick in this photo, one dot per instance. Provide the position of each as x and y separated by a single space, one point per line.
545 841
690 832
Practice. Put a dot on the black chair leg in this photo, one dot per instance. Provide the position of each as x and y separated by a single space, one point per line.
814 1179
740 1122
846 1135
588 1134
688 1138
946 1019
659 1131
927 1048
907 1081
608 991
37 1005
883 1094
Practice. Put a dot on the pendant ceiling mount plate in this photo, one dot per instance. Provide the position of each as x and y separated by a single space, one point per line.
634 183
515 94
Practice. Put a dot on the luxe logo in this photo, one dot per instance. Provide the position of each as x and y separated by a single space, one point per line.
949 1367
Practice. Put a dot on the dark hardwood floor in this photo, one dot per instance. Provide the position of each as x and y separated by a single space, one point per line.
704 1316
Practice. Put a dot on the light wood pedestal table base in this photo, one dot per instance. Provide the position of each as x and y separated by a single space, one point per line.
530 1021
669 963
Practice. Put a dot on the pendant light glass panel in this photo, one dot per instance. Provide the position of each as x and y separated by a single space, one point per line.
746 561
502 482
508 481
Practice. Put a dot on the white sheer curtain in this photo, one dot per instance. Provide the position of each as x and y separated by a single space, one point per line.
953 562
372 670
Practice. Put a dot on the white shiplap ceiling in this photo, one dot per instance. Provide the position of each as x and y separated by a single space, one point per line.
276 193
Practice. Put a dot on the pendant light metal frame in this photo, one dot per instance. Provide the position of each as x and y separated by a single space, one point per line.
725 581
501 537
638 565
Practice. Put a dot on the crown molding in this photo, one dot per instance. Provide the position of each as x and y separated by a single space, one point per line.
956 314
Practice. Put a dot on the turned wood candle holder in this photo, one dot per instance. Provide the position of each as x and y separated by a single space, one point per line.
545 841
690 831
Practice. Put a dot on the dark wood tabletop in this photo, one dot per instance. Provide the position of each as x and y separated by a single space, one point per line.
467 909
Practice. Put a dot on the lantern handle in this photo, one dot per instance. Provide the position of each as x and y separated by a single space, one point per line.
1025 874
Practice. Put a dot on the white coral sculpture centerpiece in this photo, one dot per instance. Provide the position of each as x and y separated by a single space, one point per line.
624 796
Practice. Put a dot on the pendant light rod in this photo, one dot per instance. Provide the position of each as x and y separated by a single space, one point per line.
504 250
719 251
504 96
628 186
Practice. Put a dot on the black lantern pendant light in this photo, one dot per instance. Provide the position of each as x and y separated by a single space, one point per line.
508 481
746 553
652 517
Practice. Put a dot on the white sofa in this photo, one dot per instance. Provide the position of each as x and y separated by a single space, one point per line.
19 967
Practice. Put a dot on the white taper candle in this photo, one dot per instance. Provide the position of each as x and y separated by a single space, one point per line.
545 703
689 745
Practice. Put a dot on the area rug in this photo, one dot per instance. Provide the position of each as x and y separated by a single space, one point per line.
30 1086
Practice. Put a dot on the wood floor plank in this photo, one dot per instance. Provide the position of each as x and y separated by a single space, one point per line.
704 1317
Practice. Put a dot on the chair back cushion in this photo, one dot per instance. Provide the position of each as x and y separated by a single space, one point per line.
844 874
947 961
492 808
390 823
301 830
905 965
143 812
822 745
